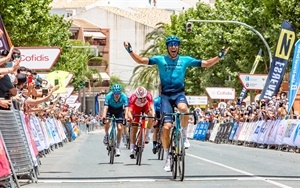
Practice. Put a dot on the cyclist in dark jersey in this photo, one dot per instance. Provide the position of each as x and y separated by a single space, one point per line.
116 103
172 69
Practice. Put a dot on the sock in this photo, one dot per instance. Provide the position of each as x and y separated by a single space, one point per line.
106 133
166 153
184 133
118 143
147 132
131 147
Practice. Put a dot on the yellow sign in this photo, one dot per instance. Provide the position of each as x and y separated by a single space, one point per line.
285 44
58 78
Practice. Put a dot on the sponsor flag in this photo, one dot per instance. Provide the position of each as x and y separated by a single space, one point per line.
244 90
5 42
295 76
279 62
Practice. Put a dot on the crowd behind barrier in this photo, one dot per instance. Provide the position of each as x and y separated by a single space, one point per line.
35 120
29 136
263 124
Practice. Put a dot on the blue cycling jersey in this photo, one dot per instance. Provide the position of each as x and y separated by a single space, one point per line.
110 101
172 72
157 104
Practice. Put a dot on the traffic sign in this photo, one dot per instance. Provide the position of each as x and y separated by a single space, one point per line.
253 81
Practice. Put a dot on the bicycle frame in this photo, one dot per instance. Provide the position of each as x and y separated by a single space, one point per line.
112 143
140 141
177 145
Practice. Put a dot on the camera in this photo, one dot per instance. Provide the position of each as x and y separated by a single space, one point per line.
45 92
7 95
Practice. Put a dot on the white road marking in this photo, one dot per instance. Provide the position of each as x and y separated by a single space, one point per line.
241 171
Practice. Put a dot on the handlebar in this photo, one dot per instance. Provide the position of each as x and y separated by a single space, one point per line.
194 113
104 120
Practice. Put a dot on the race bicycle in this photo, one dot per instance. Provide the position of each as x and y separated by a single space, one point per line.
140 141
112 140
159 148
177 148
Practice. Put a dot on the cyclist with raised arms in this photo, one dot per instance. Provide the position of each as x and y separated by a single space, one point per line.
116 103
172 69
140 101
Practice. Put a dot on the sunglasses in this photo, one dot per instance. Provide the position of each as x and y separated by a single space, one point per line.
142 98
117 93
16 56
173 44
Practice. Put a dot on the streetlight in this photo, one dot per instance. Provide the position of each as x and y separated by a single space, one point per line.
234 22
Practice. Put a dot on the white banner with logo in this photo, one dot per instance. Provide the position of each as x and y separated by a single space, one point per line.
221 93
197 100
39 58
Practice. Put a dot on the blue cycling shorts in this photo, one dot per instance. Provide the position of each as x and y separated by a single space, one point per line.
117 112
170 101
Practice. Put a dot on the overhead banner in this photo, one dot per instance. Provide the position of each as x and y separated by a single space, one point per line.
244 90
279 62
295 76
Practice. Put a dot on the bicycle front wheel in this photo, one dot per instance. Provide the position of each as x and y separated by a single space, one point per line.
173 154
139 156
181 157
112 154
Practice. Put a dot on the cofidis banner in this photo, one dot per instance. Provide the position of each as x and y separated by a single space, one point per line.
279 62
295 76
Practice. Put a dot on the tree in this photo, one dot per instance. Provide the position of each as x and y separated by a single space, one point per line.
206 39
29 23
144 75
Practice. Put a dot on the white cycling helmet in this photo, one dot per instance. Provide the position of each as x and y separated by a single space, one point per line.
141 92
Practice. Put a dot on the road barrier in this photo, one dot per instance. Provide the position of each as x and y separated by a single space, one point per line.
27 139
277 134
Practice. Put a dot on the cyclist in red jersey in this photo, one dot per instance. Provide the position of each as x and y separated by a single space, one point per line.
140 101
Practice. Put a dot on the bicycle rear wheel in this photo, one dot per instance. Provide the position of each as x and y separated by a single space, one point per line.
160 152
160 149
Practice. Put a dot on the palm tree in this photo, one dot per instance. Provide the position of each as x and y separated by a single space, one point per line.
154 37
148 75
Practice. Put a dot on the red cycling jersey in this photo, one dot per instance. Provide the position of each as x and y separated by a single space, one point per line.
137 106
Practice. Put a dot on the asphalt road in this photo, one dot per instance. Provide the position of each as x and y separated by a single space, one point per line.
85 163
